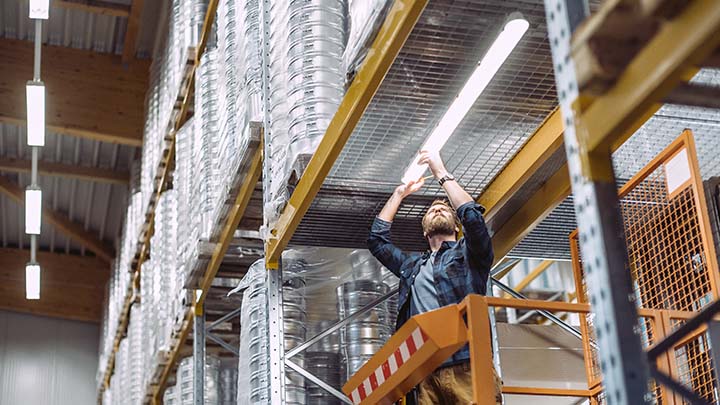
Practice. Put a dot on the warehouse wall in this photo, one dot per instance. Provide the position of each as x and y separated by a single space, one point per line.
47 361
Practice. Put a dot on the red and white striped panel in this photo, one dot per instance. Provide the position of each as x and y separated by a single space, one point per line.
391 365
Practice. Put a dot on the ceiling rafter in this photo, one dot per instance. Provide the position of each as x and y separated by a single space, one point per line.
89 95
63 224
133 28
53 169
95 7
71 286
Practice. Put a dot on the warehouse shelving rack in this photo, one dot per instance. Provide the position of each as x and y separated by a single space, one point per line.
240 197
601 108
603 123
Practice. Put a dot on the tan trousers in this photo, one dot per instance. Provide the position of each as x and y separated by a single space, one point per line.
452 385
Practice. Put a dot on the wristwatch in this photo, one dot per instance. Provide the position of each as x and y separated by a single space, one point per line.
447 177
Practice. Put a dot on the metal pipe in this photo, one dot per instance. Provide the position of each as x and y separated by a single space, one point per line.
320 383
33 248
564 325
199 357
34 165
223 319
533 311
501 267
227 346
339 324
38 49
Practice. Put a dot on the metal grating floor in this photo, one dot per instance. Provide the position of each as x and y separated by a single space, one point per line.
443 49
439 55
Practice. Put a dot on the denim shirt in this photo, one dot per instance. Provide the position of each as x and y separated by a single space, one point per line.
460 268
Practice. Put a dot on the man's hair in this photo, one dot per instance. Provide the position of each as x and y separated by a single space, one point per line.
446 204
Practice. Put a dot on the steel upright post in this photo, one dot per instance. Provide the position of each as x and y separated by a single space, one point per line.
622 360
199 355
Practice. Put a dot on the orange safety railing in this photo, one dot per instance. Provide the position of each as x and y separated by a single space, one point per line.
428 339
673 264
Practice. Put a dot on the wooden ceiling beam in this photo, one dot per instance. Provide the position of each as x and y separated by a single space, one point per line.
95 7
66 171
133 28
71 286
62 223
88 94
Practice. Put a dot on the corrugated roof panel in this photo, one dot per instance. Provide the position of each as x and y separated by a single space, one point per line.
80 29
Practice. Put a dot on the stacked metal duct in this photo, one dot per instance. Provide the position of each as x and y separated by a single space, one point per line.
307 40
170 396
184 181
362 338
294 330
229 51
207 107
228 382
198 9
212 377
316 41
278 110
327 367
136 355
148 314
253 367
251 63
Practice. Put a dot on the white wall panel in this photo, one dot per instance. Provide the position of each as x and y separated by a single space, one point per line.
47 361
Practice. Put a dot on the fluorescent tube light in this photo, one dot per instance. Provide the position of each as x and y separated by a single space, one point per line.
39 9
33 210
32 281
35 92
506 41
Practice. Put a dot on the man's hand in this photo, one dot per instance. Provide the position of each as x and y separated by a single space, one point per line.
405 190
434 162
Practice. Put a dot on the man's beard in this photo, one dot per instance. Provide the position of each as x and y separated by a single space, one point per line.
439 225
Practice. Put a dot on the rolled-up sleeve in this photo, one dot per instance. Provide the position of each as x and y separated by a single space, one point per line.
477 238
382 247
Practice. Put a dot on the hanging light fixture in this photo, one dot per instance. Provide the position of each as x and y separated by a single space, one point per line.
35 93
488 66
33 210
39 9
32 281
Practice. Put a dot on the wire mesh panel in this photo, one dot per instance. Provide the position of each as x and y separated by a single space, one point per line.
672 261
650 326
692 362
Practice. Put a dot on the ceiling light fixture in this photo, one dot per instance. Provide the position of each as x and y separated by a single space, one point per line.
33 210
35 92
39 9
32 281
488 66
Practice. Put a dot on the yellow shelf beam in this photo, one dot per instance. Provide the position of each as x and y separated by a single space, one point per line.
681 44
164 169
542 144
392 36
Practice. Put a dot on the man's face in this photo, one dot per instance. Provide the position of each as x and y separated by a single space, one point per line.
439 220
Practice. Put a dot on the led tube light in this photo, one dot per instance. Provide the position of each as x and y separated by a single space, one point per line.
35 92
39 9
32 281
506 41
33 210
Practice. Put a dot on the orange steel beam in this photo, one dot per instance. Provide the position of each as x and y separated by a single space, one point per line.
392 36
445 331
540 269
549 392
542 144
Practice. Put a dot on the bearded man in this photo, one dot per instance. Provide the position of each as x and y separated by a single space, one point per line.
446 273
